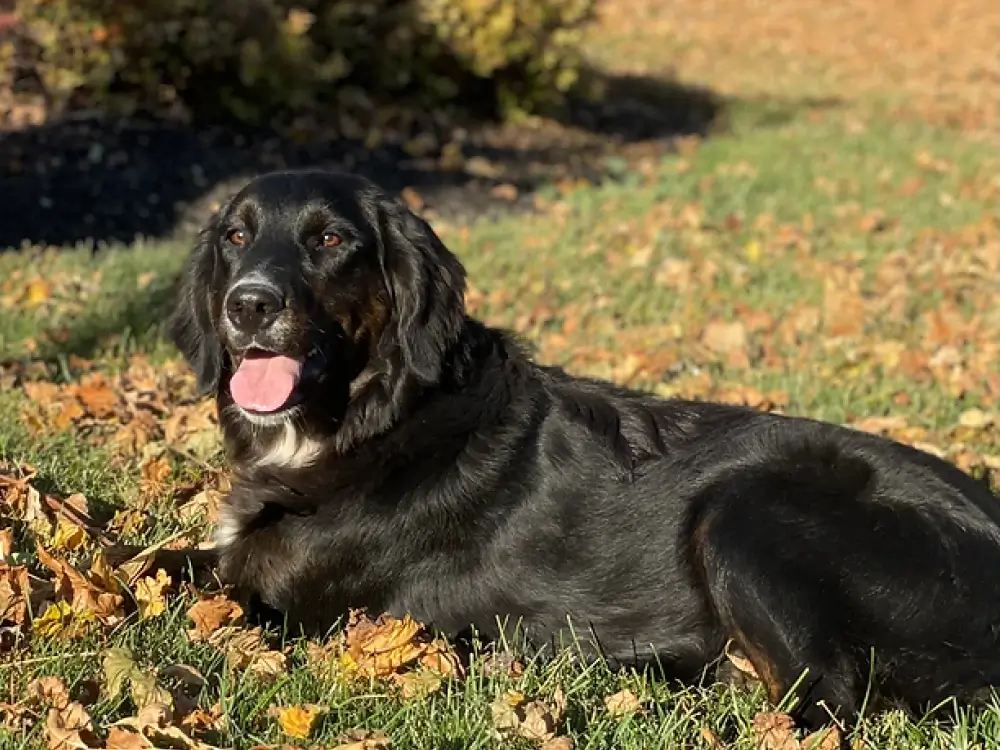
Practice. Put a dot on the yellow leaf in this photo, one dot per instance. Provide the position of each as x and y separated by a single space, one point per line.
68 536
298 721
59 618
149 594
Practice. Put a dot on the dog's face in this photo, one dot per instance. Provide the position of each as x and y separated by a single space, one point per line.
308 281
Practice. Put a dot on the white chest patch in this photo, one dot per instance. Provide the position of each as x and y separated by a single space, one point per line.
291 450
229 527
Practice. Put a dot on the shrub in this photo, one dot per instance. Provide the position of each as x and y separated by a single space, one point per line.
256 59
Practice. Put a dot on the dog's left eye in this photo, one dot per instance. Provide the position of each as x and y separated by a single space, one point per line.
329 239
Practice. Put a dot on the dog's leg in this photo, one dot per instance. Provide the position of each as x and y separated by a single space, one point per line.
776 615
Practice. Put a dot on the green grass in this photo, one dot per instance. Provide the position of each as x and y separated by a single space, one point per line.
587 269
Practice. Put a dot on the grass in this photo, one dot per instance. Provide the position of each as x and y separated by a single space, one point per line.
850 247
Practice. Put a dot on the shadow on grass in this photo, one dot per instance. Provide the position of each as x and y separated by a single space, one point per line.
89 178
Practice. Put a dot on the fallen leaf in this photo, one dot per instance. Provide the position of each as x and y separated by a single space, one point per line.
147 692
976 419
824 739
149 594
710 739
623 703
774 731
728 339
119 665
209 615
69 728
362 739
382 647
417 684
60 619
268 663
96 593
6 547
68 536
154 714
122 738
15 594
97 397
298 721
537 720
50 690
741 662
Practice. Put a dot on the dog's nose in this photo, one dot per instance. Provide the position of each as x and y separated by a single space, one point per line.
253 307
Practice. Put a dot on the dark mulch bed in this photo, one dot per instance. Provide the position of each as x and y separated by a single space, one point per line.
87 177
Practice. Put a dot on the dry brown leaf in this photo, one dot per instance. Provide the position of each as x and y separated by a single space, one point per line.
149 594
201 721
97 397
18 499
710 739
362 739
382 647
49 690
824 739
623 703
774 731
123 738
558 743
15 593
377 649
844 311
740 661
6 546
96 593
268 663
537 720
210 615
69 728
154 473
204 505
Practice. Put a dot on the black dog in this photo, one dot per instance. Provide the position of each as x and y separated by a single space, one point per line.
390 452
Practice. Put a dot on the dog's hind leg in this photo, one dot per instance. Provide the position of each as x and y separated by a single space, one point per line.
778 615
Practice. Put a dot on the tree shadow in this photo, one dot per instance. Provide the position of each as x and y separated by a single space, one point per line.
90 178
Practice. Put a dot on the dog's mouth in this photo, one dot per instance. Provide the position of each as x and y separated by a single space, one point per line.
268 382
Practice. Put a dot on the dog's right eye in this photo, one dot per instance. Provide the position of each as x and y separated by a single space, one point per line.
237 237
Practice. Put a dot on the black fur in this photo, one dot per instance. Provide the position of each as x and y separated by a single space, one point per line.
455 479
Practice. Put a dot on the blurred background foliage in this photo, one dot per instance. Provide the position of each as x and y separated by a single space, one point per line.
255 61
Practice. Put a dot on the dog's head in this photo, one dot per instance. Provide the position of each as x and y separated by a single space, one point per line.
308 283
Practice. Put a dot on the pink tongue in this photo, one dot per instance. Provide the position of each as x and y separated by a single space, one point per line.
265 383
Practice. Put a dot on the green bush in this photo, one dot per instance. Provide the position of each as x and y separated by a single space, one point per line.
257 59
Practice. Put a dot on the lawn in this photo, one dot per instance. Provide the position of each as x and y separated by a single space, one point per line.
833 252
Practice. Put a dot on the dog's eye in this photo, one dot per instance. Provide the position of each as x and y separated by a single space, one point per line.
237 237
329 239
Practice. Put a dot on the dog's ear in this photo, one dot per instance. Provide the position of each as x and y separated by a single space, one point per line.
427 284
191 325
